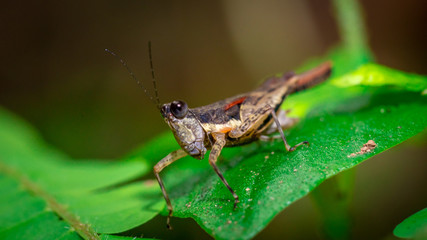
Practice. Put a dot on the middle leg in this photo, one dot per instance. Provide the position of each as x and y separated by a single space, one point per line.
213 156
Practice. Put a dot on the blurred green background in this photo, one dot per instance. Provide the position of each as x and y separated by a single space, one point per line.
55 73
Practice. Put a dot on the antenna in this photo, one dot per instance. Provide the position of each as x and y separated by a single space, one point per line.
134 78
152 74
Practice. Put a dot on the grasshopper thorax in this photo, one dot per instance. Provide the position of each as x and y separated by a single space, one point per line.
186 128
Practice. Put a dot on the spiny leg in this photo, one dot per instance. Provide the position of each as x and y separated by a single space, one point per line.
267 138
166 161
285 122
282 135
213 156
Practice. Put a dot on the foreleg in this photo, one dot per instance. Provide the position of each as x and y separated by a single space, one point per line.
166 161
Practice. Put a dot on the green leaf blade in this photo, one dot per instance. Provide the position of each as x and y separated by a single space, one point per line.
415 226
44 186
35 228
266 183
129 206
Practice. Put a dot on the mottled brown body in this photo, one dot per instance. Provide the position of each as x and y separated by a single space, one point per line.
234 121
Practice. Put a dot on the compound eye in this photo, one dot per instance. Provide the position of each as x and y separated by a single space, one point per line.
179 109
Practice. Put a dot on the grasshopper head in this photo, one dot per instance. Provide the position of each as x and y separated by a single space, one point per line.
186 128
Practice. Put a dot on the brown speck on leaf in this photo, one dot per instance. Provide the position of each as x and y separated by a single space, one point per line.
367 147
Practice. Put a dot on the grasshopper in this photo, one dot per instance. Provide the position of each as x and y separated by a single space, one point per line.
234 121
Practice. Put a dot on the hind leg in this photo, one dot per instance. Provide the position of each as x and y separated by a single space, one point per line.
286 123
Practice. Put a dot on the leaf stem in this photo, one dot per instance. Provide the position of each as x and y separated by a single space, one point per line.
333 199
349 16
84 230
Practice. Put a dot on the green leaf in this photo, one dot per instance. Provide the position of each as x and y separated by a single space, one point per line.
350 86
376 75
267 179
42 187
414 226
